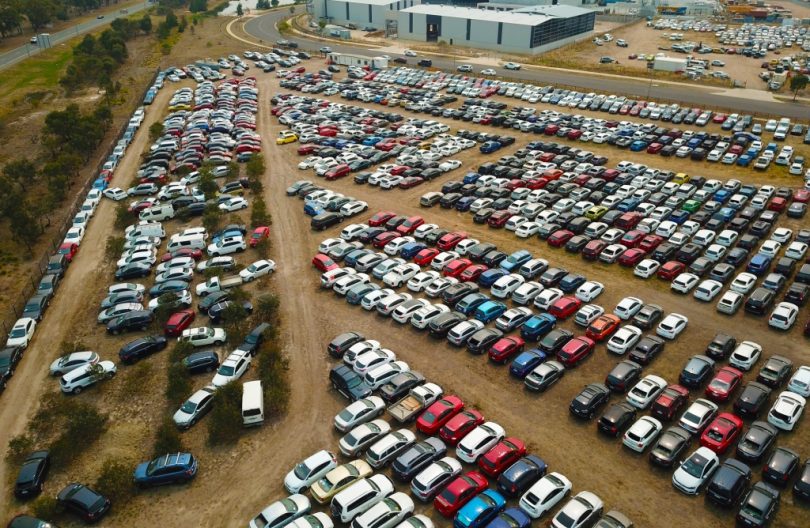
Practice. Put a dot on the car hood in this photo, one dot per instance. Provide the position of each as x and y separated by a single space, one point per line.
140 470
685 479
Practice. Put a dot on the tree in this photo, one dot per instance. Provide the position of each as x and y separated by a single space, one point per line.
198 6
225 422
10 19
255 166
798 83
274 3
145 24
115 480
24 226
239 11
321 23
39 12
20 171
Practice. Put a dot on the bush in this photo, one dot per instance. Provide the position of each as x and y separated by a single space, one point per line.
267 307
255 167
155 130
235 322
272 371
84 421
225 422
180 350
114 248
167 439
122 217
178 386
164 309
46 507
259 215
19 447
115 480
211 218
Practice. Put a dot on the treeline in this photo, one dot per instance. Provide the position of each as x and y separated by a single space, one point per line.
40 13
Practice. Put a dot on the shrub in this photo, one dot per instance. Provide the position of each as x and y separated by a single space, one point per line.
211 218
114 247
178 386
272 371
235 322
115 480
19 447
259 215
46 507
255 167
155 130
225 422
180 350
122 217
167 439
267 306
85 422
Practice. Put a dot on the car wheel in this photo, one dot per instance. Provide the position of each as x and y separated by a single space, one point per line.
77 390
110 375
210 368
219 343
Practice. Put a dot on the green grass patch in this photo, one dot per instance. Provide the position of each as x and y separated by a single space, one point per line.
40 71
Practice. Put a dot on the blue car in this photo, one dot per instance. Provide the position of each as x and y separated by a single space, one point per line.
353 256
511 518
100 184
410 250
726 214
480 510
628 204
638 146
468 304
166 469
538 326
571 282
471 177
759 264
489 147
721 195
745 159
464 204
489 277
521 475
679 217
313 209
489 311
526 362
516 260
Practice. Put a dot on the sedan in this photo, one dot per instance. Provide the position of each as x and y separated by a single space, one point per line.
545 494
642 433
257 269
282 512
459 492
672 326
580 511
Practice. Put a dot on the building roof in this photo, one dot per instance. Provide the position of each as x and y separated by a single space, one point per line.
530 16
367 2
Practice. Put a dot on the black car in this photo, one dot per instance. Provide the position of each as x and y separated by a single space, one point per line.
84 502
440 325
647 349
325 221
32 475
798 294
136 320
133 270
434 236
616 418
481 341
570 282
171 286
722 272
57 265
348 383
142 347
756 442
775 371
553 341
254 339
125 296
648 316
552 276
519 476
670 447
339 345
781 466
801 489
753 399
36 306
211 299
400 384
589 400
202 361
9 358
697 370
477 252
456 292
216 311
760 301
729 483
721 346
48 284
494 258
759 505
26 521
417 457
623 376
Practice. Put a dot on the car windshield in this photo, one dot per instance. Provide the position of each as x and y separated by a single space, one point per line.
301 471
694 465
17 332
189 407
5 360
448 495
751 511
564 520
226 370
717 436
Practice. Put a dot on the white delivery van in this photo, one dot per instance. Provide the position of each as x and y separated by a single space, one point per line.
186 241
157 213
252 403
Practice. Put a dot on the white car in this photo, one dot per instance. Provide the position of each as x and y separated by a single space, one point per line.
489 71
730 302
379 376
527 229
234 204
423 316
796 250
358 349
783 316
527 292
423 230
628 307
403 313
707 290
258 269
233 368
344 284
386 513
460 333
372 359
782 235
204 336
21 333
355 441
74 360
770 248
352 231
440 261
786 410
89 374
329 278
309 471
359 412
800 382
513 318
684 282
588 314
698 415
545 494
589 291
435 288
642 433
547 297
672 326
693 472
479 441
370 300
506 285
74 235
745 355
115 193
401 274
387 305
393 247
646 268
328 244
227 245
282 512
744 283
624 339
579 512
430 481
645 391
464 246
422 280
105 316
353 208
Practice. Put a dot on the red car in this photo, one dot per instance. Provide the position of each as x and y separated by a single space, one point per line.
383 238
323 263
559 237
424 257
303 150
178 322
506 347
409 225
721 432
593 249
650 242
603 327
456 266
632 238
472 273
801 196
459 425
450 240
499 218
654 148
575 351
631 257
438 414
670 270
778 204
68 249
629 221
259 234
196 254
501 456
670 402
140 205
337 172
564 307
723 384
459 492
399 169
380 218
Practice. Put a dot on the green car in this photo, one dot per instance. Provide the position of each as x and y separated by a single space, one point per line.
596 212
691 206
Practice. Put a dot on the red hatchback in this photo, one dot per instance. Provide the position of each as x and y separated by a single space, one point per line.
384 238
650 242
722 432
323 263
499 218
259 234
631 257
196 254
564 307
337 172
68 249
603 327
178 322
380 218
559 237
459 425
472 273
409 225
723 384
506 347
459 492
424 257
593 249
450 240
778 204
670 270
670 402
575 351
501 456
455 267
632 238
438 414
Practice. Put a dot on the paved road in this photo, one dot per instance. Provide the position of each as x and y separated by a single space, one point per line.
264 28
16 55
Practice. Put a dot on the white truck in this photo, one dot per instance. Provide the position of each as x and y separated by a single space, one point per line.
215 284
417 400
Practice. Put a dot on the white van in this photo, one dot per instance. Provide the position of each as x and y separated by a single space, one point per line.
195 241
360 496
145 230
252 403
157 213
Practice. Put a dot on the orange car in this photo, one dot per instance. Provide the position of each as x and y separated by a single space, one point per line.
603 327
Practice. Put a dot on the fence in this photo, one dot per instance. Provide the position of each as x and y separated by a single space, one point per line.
30 284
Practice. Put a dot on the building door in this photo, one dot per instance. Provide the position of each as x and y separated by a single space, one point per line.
434 27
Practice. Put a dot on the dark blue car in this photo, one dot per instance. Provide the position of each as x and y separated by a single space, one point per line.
464 204
526 362
537 326
313 209
353 256
489 277
521 475
469 303
571 282
471 177
511 518
679 217
721 195
166 469
410 250
489 147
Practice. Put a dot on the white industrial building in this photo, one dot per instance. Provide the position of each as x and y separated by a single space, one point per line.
363 14
532 30
511 5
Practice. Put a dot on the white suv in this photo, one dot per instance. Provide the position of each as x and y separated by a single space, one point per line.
227 245
80 378
204 336
234 366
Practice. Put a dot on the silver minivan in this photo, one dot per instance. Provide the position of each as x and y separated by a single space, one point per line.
360 496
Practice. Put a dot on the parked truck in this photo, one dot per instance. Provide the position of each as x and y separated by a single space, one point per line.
215 284
417 400
671 64
362 61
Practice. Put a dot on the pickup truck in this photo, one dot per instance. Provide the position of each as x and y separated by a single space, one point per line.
418 399
215 284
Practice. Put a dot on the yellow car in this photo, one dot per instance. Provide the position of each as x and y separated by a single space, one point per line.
681 178
286 137
340 478
596 212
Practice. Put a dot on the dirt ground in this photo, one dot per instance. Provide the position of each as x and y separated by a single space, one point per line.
234 484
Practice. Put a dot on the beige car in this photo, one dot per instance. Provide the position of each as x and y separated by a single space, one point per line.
340 478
